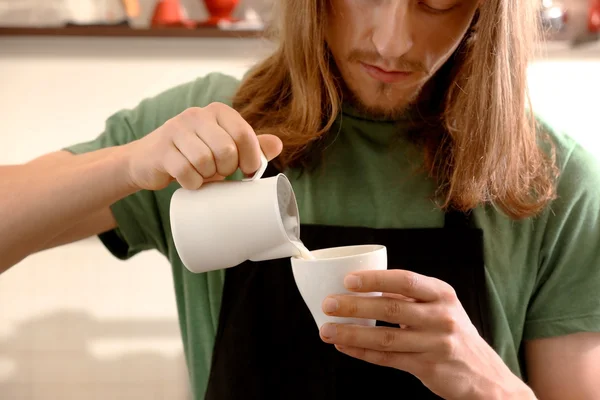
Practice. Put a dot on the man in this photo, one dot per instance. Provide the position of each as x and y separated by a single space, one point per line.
400 122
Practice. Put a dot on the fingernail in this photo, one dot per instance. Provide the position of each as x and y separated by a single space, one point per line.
352 282
328 331
330 305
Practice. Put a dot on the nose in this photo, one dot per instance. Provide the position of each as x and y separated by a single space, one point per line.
392 34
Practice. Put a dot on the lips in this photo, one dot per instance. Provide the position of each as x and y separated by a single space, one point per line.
385 76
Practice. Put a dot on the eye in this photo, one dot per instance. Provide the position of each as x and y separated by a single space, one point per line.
436 10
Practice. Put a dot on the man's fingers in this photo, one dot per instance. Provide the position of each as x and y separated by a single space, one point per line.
179 167
380 338
406 283
395 311
222 146
243 136
231 140
197 153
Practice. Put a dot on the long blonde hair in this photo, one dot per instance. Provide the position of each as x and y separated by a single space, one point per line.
488 147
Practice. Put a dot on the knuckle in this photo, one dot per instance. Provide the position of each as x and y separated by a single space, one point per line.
391 310
180 171
215 107
388 339
352 309
242 134
172 128
448 346
226 152
411 281
193 112
379 282
206 164
448 294
384 358
449 322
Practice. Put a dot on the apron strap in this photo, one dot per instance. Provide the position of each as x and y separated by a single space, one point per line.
455 219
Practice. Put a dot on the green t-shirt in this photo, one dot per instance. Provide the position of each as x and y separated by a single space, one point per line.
543 273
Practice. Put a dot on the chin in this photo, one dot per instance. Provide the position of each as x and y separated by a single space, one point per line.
387 102
381 109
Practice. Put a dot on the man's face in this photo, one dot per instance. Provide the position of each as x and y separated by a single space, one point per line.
386 50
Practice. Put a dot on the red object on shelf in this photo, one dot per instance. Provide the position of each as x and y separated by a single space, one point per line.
168 13
219 10
594 16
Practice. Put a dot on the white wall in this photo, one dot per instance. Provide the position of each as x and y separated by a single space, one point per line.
76 323
565 89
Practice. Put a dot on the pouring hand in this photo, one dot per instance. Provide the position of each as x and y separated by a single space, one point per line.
197 146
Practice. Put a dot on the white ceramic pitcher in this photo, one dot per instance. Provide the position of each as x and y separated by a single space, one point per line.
225 223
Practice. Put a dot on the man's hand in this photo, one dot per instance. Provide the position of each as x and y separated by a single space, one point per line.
197 146
435 339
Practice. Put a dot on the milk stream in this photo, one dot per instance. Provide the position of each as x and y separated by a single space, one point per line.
305 254
287 210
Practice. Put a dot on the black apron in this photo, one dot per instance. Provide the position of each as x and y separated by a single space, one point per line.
268 346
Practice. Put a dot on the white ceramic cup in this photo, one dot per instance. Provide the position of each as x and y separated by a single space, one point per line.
223 224
324 276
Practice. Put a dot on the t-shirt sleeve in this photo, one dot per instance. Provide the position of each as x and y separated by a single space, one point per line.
141 216
566 298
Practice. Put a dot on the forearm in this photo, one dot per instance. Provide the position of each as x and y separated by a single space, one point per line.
42 199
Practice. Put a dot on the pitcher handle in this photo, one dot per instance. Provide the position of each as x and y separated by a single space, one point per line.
259 173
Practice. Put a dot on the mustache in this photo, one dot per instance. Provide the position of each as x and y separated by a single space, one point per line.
398 64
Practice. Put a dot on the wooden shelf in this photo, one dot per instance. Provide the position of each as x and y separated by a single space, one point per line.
124 31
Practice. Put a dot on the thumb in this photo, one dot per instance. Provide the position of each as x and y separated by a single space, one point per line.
271 145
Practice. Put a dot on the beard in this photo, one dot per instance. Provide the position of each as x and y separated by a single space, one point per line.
385 103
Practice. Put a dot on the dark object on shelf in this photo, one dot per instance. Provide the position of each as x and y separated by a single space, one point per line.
106 31
121 24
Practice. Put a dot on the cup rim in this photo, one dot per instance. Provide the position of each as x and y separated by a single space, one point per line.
367 249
